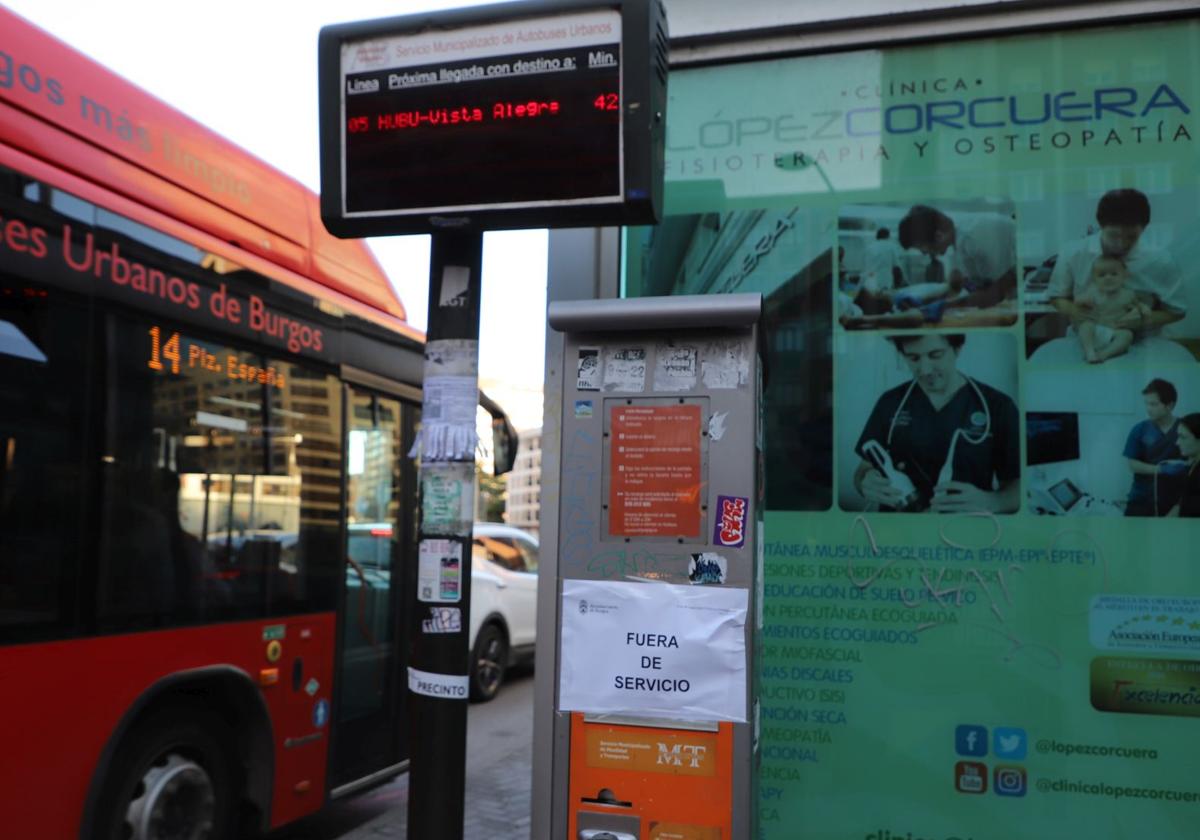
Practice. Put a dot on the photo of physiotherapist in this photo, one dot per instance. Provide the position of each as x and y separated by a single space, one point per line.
1153 453
943 441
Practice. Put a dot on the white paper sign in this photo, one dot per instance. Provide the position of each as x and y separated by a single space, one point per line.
653 649
450 399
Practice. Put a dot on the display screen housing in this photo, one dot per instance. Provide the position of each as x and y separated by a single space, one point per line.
471 119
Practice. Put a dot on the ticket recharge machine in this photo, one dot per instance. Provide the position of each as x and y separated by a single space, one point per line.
658 566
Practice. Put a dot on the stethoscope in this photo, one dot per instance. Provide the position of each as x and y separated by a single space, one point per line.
947 473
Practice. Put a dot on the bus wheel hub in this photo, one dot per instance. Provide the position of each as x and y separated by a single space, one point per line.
175 801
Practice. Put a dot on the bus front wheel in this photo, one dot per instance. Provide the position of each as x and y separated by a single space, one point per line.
172 780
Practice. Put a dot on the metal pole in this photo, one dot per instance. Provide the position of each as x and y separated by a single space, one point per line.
441 599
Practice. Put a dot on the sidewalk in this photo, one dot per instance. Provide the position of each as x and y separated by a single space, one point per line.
497 806
499 769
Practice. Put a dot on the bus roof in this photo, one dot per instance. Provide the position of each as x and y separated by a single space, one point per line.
243 200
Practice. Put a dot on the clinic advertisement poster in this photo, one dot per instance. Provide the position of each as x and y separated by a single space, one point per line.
982 597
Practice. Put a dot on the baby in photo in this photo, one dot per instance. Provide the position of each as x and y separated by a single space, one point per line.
1103 329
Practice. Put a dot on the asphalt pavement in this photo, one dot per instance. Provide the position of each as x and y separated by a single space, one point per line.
499 767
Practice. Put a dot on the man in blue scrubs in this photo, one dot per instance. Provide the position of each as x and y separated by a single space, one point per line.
1150 443
921 421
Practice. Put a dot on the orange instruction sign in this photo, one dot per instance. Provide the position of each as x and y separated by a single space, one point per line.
654 481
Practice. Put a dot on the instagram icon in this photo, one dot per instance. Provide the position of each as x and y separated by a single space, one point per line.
1009 781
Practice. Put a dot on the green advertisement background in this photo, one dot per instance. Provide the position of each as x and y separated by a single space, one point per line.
870 752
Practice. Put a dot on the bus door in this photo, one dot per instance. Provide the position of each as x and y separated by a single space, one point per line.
381 504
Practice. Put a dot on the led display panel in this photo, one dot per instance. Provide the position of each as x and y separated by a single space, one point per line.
520 115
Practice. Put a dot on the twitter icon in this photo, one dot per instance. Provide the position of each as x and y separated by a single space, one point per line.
1010 742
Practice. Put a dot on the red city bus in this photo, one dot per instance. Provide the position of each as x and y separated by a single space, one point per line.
205 404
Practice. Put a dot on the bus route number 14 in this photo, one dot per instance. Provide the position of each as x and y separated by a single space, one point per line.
160 350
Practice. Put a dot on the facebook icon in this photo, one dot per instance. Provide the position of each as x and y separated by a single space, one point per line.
971 740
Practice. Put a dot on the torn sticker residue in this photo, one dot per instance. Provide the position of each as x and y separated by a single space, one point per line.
724 365
625 369
716 425
445 442
707 567
452 357
675 368
448 419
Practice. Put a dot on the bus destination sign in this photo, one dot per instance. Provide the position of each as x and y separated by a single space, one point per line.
516 122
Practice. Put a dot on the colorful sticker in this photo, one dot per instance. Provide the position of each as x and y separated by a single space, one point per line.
439 571
443 620
729 528
583 409
312 687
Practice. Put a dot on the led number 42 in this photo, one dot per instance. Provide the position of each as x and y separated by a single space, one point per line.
606 102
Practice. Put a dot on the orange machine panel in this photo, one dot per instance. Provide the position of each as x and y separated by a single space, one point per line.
677 782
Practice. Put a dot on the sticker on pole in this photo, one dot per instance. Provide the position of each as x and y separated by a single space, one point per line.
444 686
439 571
447 498
442 620
653 649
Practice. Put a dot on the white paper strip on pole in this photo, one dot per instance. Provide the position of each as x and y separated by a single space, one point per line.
445 686
653 649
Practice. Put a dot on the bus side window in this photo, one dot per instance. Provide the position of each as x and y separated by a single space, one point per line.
43 422
221 494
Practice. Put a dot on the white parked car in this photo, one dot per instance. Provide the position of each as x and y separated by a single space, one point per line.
503 625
